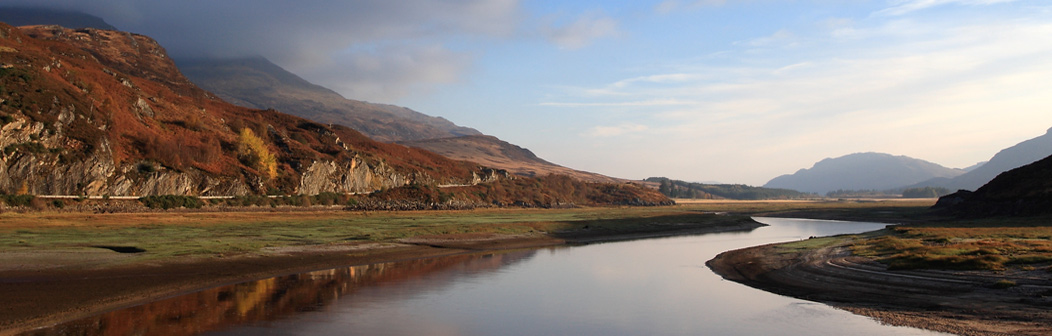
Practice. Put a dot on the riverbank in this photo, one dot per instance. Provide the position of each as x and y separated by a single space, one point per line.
61 267
1008 302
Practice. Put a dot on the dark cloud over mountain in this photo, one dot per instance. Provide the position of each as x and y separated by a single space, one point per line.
373 49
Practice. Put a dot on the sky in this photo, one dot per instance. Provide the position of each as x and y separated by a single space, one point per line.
699 90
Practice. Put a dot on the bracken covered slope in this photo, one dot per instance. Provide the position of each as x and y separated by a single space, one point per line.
103 112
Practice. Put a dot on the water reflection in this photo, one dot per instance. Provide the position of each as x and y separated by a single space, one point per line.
644 287
274 298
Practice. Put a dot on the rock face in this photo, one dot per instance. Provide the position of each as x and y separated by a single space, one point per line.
862 171
99 112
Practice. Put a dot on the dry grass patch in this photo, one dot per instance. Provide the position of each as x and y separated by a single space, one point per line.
961 248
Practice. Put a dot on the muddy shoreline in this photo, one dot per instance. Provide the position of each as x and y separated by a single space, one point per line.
961 302
43 295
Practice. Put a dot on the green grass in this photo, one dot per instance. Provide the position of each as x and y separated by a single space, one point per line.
178 234
200 235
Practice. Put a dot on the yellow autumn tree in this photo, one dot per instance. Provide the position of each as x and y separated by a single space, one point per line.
253 150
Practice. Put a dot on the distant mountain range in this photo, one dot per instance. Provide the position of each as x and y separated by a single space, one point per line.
862 171
1021 154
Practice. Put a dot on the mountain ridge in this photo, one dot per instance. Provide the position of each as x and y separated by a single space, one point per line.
1018 155
861 171
1022 191
256 82
100 112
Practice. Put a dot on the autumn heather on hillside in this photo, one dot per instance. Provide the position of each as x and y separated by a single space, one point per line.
101 112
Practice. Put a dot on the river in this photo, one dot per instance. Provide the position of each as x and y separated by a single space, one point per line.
642 287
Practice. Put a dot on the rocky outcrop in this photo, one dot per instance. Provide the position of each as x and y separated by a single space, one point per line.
353 176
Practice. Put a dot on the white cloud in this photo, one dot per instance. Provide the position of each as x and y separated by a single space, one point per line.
313 37
583 31
901 7
613 131
388 72
879 91
640 103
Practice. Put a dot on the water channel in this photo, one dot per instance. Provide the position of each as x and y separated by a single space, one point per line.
643 287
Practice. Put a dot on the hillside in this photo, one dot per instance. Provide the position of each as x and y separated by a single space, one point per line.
1021 154
106 112
1024 191
101 112
493 152
258 83
682 189
861 171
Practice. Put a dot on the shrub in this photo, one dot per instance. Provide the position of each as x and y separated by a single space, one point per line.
170 202
18 200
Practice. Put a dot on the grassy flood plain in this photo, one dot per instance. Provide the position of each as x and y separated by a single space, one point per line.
180 234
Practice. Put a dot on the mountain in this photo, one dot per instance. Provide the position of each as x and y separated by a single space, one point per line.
862 171
28 16
95 112
102 112
1019 155
493 152
258 83
1023 191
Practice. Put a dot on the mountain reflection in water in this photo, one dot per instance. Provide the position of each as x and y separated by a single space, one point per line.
274 298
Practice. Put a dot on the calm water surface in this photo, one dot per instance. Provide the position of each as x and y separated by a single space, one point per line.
645 287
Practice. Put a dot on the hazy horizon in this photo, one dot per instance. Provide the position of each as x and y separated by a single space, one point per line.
708 90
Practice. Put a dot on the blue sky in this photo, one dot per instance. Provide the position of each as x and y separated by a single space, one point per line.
709 90
743 91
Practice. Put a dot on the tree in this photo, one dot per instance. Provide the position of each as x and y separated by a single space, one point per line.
254 151
664 189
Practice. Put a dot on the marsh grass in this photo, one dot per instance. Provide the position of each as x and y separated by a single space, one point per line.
968 245
814 243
